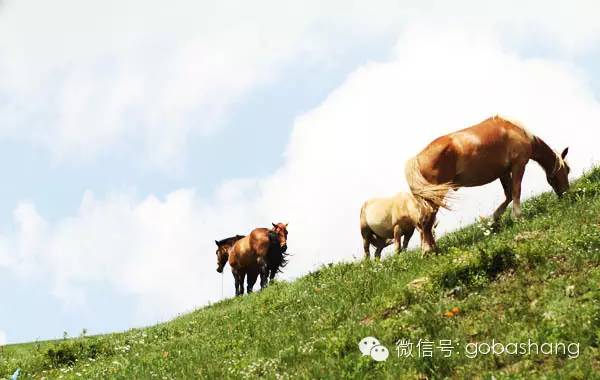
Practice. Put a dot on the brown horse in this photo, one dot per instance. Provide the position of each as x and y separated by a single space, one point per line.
223 248
493 149
261 252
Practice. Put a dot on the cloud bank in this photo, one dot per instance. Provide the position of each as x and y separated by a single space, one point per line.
351 147
81 79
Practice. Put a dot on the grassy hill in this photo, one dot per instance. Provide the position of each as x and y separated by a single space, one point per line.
535 279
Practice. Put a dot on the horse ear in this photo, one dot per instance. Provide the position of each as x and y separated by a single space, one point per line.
286 225
564 153
217 242
274 225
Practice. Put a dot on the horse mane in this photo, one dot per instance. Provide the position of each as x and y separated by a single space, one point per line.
230 240
542 154
559 164
428 195
277 259
517 124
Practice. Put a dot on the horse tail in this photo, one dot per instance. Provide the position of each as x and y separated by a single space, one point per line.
430 196
365 231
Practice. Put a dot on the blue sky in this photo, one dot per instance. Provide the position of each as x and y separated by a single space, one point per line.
133 141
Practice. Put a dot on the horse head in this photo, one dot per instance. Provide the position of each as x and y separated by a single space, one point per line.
223 248
280 229
222 256
559 179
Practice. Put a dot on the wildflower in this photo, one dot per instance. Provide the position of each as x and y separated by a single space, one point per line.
449 314
548 315
455 310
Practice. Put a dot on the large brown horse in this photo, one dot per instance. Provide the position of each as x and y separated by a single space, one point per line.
493 149
261 252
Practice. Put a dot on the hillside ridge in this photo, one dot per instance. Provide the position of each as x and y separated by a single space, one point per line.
534 280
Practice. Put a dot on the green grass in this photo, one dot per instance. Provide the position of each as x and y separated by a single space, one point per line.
536 278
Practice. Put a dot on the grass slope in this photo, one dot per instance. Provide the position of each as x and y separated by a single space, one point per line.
536 279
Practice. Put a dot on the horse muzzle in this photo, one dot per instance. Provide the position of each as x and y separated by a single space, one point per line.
284 248
220 269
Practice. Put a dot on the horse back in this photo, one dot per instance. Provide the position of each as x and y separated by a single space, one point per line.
259 241
241 255
475 155
376 215
405 210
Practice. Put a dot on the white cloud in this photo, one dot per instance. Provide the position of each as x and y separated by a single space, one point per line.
161 251
83 78
571 25
351 147
79 78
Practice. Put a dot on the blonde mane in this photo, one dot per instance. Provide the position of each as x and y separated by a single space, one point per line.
559 164
517 124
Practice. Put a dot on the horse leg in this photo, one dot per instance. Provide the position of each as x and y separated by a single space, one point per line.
366 246
397 238
242 277
377 253
407 235
236 279
506 181
264 278
367 236
518 171
427 239
380 244
251 280
264 272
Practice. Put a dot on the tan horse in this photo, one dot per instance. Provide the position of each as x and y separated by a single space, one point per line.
384 221
493 149
261 252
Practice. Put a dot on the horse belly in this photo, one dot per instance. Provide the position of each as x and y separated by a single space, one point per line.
405 223
479 176
481 163
248 260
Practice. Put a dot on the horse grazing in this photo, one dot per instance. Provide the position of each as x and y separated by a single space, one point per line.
261 252
387 220
494 149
